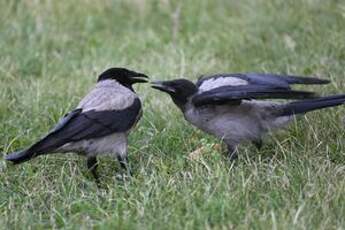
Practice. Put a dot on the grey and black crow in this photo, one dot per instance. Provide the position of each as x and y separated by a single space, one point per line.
99 125
231 106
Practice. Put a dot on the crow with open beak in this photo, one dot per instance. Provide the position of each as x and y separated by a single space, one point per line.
100 123
232 106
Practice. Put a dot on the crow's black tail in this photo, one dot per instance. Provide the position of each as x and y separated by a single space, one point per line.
20 156
304 106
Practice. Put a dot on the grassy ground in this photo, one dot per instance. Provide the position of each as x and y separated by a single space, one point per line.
51 53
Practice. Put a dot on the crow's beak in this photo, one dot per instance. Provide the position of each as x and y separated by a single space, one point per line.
139 78
160 85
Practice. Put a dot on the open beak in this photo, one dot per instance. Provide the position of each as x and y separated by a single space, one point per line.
139 78
160 85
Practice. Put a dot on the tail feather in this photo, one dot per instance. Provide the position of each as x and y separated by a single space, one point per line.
304 106
20 156
44 146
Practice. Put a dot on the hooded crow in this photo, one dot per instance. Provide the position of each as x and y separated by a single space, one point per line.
100 123
231 106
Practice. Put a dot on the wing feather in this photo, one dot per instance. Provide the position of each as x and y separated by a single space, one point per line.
283 81
234 94
88 125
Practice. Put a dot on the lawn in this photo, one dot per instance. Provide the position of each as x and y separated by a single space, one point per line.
51 54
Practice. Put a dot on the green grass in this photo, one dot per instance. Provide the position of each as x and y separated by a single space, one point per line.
51 53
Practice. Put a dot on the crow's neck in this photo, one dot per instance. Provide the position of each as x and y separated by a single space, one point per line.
180 103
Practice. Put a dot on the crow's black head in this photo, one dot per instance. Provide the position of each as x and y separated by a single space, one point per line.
124 76
179 90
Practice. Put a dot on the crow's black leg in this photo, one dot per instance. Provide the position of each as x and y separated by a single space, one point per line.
123 160
258 143
92 166
232 153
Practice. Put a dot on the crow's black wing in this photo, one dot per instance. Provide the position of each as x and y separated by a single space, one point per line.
234 94
268 79
88 125
275 79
